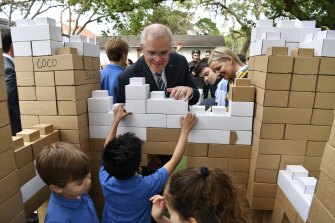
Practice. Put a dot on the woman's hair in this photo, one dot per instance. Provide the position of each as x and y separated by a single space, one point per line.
206 195
223 53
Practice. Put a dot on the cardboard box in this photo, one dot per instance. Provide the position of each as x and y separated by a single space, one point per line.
196 149
279 51
24 64
301 99
23 155
268 131
307 132
290 160
221 163
4 115
45 79
88 63
279 147
290 212
303 82
319 213
315 148
27 121
325 83
306 65
72 107
327 164
66 122
67 50
45 140
76 77
11 208
25 78
27 93
26 173
58 62
68 93
274 64
38 107
84 147
17 142
238 164
229 151
3 89
262 189
302 52
322 117
266 176
96 63
325 192
251 63
240 82
273 115
238 177
266 161
327 66
332 135
272 98
6 138
241 93
312 163
260 203
36 200
21 217
29 135
162 135
44 129
75 136
46 93
9 186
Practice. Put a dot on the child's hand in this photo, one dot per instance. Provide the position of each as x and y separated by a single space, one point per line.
158 207
120 113
187 122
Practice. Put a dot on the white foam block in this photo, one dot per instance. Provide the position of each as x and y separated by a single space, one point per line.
92 41
103 119
307 184
227 122
209 136
46 47
260 46
219 110
241 108
139 132
291 46
45 21
41 32
284 180
286 23
146 120
243 137
100 104
85 49
136 106
264 23
326 34
30 188
137 81
100 94
303 32
305 24
99 132
322 47
271 35
24 22
173 121
296 171
167 106
290 34
22 49
137 92
256 33
78 38
199 109
157 95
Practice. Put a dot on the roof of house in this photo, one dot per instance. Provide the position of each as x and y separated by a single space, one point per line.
205 41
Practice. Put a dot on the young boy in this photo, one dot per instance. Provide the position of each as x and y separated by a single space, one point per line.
126 193
66 170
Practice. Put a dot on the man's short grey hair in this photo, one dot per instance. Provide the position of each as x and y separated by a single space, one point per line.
157 31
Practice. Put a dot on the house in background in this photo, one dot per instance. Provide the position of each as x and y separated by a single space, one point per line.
189 43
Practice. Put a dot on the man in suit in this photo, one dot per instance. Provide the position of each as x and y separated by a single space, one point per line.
10 76
162 69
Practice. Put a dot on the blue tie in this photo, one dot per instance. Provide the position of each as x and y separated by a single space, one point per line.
160 82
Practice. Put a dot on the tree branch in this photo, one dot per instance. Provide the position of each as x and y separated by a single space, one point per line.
80 13
229 11
78 30
46 9
29 8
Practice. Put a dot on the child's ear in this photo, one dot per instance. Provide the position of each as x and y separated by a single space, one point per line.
191 220
56 189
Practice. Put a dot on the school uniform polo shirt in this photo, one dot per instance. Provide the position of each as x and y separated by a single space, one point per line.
64 210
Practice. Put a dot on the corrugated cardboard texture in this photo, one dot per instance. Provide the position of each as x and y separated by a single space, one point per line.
5 138
322 117
27 121
307 132
4 115
303 82
306 65
66 122
29 135
326 193
268 131
9 186
237 93
319 213
229 151
45 79
269 98
23 155
38 107
274 64
11 208
327 163
44 129
279 51
7 164
75 136
36 200
17 142
302 52
208 162
26 173
59 62
327 66
72 107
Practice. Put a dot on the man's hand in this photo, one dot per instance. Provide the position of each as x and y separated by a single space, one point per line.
181 92
120 113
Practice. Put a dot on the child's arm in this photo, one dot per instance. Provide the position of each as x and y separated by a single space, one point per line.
119 114
158 208
186 124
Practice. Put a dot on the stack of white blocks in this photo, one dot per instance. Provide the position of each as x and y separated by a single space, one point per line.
298 188
161 112
85 46
290 33
38 37
323 43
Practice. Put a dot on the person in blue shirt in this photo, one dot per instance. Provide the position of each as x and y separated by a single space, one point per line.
127 194
117 52
66 170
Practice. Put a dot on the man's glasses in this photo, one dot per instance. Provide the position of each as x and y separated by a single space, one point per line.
153 55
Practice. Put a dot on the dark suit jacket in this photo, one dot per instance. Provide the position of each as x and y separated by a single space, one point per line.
13 99
176 71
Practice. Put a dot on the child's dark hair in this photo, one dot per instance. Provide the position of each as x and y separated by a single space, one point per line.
122 156
206 195
61 163
200 66
6 40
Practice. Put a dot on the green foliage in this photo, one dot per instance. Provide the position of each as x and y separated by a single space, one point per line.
320 10
207 27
